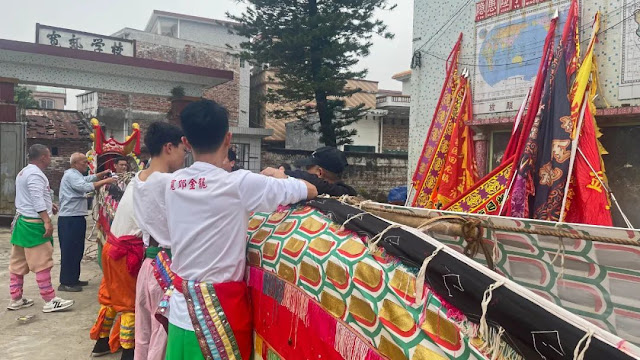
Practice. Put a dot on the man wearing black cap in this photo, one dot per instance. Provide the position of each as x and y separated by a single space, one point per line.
323 169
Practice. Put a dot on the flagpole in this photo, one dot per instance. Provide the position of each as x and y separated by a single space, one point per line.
410 195
574 151
516 124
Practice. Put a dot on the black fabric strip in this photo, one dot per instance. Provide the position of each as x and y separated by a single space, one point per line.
529 328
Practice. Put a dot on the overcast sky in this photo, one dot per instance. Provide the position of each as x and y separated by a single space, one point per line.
106 17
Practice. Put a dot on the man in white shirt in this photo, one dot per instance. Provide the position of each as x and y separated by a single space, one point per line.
122 257
72 225
31 237
164 143
208 210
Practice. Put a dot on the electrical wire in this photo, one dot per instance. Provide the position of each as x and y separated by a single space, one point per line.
531 48
476 65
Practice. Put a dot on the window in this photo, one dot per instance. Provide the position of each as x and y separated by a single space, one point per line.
242 155
46 104
54 151
499 141
622 167
360 148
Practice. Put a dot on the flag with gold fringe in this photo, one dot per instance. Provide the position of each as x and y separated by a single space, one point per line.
434 151
587 199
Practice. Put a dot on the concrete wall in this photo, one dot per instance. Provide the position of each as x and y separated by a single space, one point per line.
368 131
87 103
427 80
372 175
234 95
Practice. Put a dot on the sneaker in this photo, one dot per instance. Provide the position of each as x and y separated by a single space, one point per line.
57 304
68 288
127 354
20 304
101 348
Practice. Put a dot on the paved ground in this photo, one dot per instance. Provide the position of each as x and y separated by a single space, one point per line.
63 335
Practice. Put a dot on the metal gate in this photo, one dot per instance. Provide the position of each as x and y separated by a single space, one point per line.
13 139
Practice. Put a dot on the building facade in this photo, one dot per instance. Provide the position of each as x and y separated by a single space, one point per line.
188 40
48 97
501 47
64 132
383 129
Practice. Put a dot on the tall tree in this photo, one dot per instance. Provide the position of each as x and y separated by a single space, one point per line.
23 98
314 46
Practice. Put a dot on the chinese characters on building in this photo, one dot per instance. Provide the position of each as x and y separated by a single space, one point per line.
78 40
489 8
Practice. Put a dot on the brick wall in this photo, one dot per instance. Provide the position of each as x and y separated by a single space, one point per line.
134 102
395 135
372 175
227 94
112 100
60 162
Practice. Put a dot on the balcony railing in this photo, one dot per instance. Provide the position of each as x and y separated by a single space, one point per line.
393 100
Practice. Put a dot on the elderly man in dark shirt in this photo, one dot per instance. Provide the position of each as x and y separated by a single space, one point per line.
323 169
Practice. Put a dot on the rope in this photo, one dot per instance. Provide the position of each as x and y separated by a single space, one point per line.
425 226
422 275
536 231
495 349
471 232
363 203
486 299
344 224
579 354
560 252
374 240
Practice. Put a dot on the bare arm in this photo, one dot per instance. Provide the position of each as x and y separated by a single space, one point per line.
98 184
48 226
312 191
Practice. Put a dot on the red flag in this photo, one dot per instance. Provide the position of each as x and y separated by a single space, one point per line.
433 154
589 201
459 170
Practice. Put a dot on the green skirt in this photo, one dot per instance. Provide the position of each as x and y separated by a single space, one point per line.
29 234
182 344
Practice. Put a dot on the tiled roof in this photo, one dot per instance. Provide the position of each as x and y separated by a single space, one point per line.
367 97
56 124
383 92
402 75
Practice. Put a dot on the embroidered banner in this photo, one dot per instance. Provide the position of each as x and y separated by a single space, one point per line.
438 123
486 196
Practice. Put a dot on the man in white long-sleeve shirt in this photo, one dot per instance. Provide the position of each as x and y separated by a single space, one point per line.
164 144
31 238
72 224
208 211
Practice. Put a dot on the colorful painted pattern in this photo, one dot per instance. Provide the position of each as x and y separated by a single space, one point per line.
300 254
486 196
215 337
597 281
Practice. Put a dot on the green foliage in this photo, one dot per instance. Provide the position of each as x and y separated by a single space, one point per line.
314 46
24 99
177 92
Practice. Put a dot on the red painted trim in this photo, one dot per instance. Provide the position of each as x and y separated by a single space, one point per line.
623 110
39 49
